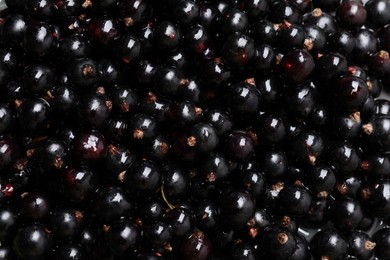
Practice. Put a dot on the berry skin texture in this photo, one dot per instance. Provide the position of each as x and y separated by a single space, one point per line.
328 244
32 242
196 246
297 66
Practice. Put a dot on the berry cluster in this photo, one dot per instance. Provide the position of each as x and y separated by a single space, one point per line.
194 129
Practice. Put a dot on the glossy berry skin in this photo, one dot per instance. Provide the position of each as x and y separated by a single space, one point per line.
70 251
284 11
295 200
310 146
289 36
244 98
328 243
9 152
90 146
128 49
239 145
378 198
93 111
52 155
110 203
167 36
74 47
65 101
376 132
301 251
124 100
142 128
196 246
342 42
236 209
38 78
279 243
365 43
254 182
14 28
360 245
32 242
297 66
243 251
78 184
301 101
346 157
158 234
351 14
167 81
346 213
233 20
66 223
102 30
122 236
264 32
206 216
202 137
6 253
382 240
39 39
351 92
176 182
181 221
321 180
143 177
275 164
83 73
377 13
238 50
34 115
8 222
214 168
35 205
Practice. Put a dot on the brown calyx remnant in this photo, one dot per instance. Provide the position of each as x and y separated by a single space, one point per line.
323 194
383 54
108 104
218 60
342 188
355 117
100 90
308 44
298 183
205 215
79 215
168 247
198 235
184 82
124 107
312 159
191 141
286 221
58 162
24 194
87 4
317 12
151 98
21 164
369 245
368 128
122 176
278 186
282 238
253 232
128 21
106 228
324 257
198 111
138 134
163 147
87 71
18 103
365 193
211 177
364 165
251 222
251 81
112 149
30 153
253 136
369 85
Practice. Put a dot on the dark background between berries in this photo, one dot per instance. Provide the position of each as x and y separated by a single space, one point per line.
194 129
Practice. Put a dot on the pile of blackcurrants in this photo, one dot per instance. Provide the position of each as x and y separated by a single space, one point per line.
194 129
